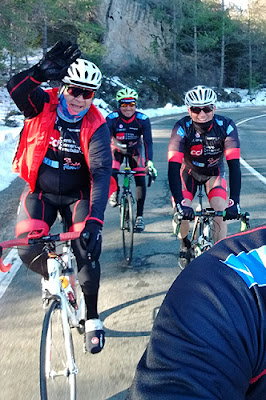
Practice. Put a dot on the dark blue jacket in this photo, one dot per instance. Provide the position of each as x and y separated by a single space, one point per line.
209 339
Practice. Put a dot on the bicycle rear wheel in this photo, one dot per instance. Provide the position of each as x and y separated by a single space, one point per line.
127 226
57 366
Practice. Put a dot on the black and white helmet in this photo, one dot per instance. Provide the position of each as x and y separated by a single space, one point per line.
83 73
200 96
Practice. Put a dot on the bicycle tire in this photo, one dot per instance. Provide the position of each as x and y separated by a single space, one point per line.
127 226
56 381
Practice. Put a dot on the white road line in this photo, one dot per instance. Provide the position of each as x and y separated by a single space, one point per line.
243 162
6 279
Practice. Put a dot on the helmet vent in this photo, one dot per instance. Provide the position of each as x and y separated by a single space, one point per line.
83 73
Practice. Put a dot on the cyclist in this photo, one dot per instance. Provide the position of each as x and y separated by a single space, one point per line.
196 150
208 340
64 156
128 127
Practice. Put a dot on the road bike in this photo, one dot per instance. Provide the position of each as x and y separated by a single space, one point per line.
64 306
201 237
127 220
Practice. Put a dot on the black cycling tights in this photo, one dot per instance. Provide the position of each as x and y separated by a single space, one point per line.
37 209
140 191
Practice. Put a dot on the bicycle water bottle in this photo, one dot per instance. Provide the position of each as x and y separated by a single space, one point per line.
69 291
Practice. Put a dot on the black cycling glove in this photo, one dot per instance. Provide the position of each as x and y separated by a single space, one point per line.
233 211
185 212
91 239
54 65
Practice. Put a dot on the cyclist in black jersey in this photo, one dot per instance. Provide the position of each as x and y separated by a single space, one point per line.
64 156
196 151
208 340
131 133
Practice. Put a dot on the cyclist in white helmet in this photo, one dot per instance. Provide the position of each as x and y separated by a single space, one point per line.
131 137
196 150
65 158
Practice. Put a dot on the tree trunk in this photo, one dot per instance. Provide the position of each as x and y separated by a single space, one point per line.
175 37
195 43
44 37
250 57
221 82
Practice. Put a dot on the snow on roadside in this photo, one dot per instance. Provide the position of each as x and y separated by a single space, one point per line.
9 136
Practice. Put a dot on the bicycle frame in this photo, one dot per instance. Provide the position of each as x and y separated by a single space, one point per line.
55 270
128 175
201 234
57 301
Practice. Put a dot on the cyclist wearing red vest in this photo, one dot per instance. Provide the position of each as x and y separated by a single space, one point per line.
64 156
196 151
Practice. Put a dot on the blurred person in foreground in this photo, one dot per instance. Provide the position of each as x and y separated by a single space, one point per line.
197 147
209 338
64 156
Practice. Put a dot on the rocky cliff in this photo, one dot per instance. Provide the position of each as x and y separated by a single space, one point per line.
132 34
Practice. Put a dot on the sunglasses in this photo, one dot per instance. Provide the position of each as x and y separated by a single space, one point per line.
128 104
76 91
205 109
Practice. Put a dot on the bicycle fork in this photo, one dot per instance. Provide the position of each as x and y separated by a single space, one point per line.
55 290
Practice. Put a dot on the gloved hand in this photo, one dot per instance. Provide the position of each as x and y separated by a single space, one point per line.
152 169
91 239
186 212
233 211
54 65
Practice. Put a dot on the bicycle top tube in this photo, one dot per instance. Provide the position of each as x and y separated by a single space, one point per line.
127 171
35 237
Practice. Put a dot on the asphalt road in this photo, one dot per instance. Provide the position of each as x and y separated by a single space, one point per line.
129 296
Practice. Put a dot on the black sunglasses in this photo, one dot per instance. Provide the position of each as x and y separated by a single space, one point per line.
76 91
205 109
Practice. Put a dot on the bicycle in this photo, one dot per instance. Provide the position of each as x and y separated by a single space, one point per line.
201 234
64 309
126 203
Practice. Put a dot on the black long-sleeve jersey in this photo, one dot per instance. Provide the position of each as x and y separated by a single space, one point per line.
64 169
208 340
203 154
131 131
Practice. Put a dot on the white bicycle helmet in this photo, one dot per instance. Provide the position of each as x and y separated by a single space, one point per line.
200 96
83 73
126 93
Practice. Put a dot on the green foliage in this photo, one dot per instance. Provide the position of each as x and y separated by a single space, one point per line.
196 29
31 24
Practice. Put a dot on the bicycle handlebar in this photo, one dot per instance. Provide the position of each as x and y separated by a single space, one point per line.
126 172
35 237
209 212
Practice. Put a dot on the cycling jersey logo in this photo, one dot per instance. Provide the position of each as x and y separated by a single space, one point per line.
120 136
250 266
55 141
196 150
69 164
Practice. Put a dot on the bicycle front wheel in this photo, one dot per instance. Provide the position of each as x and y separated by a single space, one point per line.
127 226
57 365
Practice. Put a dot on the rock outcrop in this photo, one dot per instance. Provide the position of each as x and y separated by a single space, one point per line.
132 34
